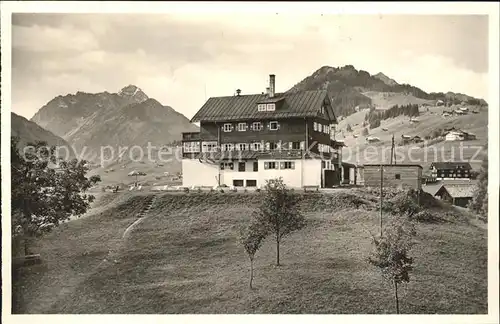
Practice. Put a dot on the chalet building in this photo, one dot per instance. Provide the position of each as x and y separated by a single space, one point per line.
459 195
245 140
393 175
451 170
459 136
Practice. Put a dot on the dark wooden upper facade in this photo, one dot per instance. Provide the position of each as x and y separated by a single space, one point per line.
451 170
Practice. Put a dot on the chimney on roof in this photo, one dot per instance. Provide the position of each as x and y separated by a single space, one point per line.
272 85
238 92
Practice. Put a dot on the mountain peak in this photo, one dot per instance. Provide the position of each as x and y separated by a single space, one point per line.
384 78
133 93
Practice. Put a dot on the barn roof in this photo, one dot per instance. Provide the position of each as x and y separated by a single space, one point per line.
451 165
457 191
292 104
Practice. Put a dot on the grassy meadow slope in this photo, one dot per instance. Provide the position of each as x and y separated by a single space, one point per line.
429 121
158 171
185 258
388 99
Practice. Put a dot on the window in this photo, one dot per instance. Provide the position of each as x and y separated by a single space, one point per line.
238 183
274 125
257 126
251 183
287 165
398 176
242 147
225 165
241 166
228 127
242 127
295 145
322 164
227 147
270 107
261 107
191 147
315 126
256 146
270 165
320 128
209 146
322 110
273 146
256 166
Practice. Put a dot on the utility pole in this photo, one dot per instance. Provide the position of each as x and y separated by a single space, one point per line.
381 188
392 148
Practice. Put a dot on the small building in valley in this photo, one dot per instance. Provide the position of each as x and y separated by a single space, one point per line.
459 195
451 170
393 175
459 135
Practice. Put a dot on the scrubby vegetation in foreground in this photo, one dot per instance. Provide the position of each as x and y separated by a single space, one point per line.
185 257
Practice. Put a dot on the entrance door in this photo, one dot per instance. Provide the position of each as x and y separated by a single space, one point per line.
332 178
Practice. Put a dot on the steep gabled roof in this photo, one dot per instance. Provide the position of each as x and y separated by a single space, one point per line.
297 104
457 191
451 165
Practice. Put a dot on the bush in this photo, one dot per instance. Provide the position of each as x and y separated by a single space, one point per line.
425 216
186 190
404 203
257 190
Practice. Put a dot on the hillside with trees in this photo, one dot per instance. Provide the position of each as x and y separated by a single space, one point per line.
346 87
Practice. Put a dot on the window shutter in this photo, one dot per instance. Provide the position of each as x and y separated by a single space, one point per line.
302 145
231 166
278 125
282 165
222 166
268 146
292 164
266 165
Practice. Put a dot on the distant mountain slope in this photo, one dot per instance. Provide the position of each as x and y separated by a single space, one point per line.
347 87
30 132
429 121
65 114
128 118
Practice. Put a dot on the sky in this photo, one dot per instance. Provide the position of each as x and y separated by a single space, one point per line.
183 59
